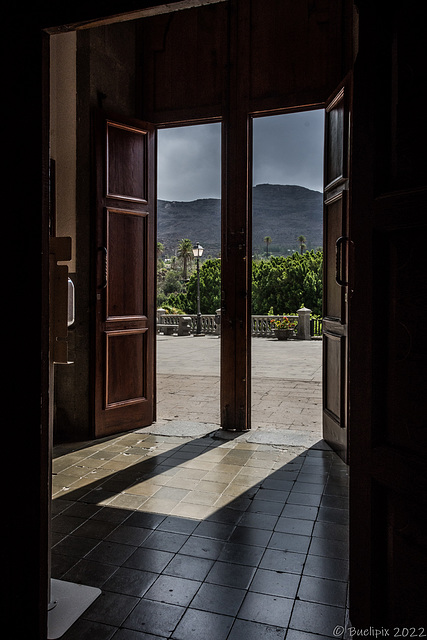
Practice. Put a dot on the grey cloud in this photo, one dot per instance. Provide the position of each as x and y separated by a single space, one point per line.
288 149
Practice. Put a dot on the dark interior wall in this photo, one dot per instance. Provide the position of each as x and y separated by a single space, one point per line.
295 61
292 55
113 74
184 57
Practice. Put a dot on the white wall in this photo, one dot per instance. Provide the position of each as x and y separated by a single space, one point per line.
63 134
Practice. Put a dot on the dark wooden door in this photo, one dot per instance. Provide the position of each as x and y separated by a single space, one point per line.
388 341
336 286
125 275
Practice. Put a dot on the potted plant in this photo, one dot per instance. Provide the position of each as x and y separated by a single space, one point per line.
283 327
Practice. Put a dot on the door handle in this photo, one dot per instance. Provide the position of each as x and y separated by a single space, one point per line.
105 280
341 282
60 250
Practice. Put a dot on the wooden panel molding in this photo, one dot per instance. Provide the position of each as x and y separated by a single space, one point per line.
124 352
127 179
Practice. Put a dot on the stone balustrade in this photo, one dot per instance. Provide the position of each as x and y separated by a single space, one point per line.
186 324
261 325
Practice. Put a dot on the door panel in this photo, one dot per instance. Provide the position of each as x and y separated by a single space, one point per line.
334 351
126 162
388 488
335 284
125 276
335 165
126 237
125 353
335 211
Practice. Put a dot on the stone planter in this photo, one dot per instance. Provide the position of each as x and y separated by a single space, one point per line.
284 334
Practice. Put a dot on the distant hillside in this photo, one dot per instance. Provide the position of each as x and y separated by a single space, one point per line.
282 212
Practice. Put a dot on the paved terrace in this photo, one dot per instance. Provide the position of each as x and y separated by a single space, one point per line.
286 389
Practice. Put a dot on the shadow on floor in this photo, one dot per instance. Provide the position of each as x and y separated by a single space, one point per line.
202 538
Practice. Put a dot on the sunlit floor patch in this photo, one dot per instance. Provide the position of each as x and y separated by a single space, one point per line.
183 532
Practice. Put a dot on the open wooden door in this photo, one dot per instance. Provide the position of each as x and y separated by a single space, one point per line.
124 366
336 286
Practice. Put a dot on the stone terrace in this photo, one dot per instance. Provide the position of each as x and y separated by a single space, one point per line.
286 388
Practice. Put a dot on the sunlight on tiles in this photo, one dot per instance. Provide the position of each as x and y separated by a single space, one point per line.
187 534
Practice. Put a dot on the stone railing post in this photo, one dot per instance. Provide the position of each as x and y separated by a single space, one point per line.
184 326
218 322
160 314
303 329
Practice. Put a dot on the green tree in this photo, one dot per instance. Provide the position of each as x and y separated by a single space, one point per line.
172 283
210 288
161 270
302 245
285 284
185 253
176 303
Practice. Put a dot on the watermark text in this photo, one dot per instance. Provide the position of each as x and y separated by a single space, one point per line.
381 632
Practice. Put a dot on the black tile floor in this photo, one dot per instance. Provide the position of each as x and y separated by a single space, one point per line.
202 539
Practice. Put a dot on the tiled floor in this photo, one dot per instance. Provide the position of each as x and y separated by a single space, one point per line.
202 539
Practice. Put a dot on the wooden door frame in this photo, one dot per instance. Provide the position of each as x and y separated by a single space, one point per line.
176 124
235 268
236 258
251 117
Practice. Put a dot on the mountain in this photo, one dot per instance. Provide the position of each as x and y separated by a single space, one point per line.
199 220
282 212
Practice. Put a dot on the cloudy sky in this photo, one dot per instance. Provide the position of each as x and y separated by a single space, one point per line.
288 149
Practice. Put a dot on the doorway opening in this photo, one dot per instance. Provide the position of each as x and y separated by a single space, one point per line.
189 273
287 272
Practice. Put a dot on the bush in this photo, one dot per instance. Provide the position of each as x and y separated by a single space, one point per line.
288 283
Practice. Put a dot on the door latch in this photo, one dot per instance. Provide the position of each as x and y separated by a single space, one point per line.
339 248
62 308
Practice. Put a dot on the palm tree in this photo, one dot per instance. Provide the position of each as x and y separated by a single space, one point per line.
185 253
301 240
267 241
161 271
